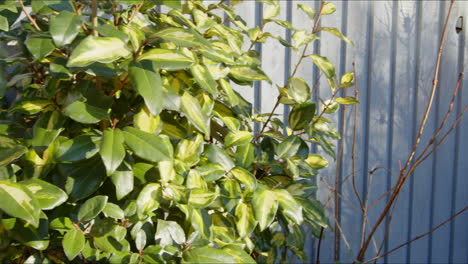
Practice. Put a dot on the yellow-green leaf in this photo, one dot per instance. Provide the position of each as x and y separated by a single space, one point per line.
98 49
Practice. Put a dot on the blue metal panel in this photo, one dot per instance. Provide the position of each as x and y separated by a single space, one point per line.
395 50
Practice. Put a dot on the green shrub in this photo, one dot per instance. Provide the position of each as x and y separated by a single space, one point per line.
122 139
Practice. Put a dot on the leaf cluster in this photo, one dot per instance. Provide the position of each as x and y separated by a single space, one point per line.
123 138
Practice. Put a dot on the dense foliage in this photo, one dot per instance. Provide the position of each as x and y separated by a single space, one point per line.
122 140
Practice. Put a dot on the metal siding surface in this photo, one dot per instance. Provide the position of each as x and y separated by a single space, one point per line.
459 227
395 49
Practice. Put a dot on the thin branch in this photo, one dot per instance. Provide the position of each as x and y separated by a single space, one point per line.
435 81
94 18
337 188
317 261
401 179
420 236
31 19
215 6
134 13
353 147
444 120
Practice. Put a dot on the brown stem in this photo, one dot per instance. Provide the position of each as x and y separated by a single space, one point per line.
134 13
317 261
94 18
337 188
119 86
444 120
353 147
30 18
418 237
215 6
401 179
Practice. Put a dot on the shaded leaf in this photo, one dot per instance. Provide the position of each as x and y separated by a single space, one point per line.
92 207
40 46
301 115
78 148
85 113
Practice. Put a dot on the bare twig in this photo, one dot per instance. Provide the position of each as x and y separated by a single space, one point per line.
134 13
444 120
337 188
317 261
94 18
418 237
31 19
353 147
402 178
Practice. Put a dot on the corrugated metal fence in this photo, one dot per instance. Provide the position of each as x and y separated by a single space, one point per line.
395 49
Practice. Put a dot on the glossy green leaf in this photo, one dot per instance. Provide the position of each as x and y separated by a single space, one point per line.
47 195
208 255
40 46
113 211
10 150
302 37
123 180
237 138
314 211
265 205
148 199
18 201
148 146
85 113
140 239
324 65
348 100
301 115
64 27
112 149
147 81
247 74
204 78
289 147
167 59
82 178
211 171
147 122
231 95
108 30
289 206
244 176
246 222
299 90
98 49
200 198
193 111
218 155
337 33
271 9
316 161
328 8
4 26
167 232
92 207
181 37
73 243
189 150
245 155
307 9
78 148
